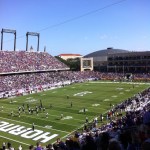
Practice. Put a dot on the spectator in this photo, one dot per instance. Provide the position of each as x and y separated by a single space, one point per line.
39 147
114 145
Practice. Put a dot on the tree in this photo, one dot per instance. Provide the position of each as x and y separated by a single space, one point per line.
62 60
74 64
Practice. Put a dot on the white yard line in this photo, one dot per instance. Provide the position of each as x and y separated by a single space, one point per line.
14 140
82 108
65 116
71 132
51 115
35 125
43 119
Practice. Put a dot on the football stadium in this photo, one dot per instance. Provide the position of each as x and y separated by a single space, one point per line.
74 75
45 104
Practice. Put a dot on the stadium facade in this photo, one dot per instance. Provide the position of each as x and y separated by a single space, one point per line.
70 56
121 61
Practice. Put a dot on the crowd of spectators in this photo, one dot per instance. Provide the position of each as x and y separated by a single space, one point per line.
130 131
17 84
121 132
23 61
125 76
26 83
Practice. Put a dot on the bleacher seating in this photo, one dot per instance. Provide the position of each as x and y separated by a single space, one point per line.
24 61
121 132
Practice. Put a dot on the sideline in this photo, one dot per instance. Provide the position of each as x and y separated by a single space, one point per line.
122 82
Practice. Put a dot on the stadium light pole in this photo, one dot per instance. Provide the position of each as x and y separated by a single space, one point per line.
26 42
32 34
38 35
15 41
1 39
8 31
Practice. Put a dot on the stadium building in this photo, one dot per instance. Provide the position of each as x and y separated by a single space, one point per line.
121 61
70 56
26 72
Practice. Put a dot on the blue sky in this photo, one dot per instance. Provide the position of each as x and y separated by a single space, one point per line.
72 26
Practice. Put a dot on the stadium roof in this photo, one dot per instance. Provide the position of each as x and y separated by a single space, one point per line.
70 55
105 52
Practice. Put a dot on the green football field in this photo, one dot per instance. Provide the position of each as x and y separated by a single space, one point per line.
88 99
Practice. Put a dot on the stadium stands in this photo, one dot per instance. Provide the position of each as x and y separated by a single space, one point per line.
27 72
23 61
26 83
19 84
24 72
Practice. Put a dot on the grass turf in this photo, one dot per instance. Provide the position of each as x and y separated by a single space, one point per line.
94 97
